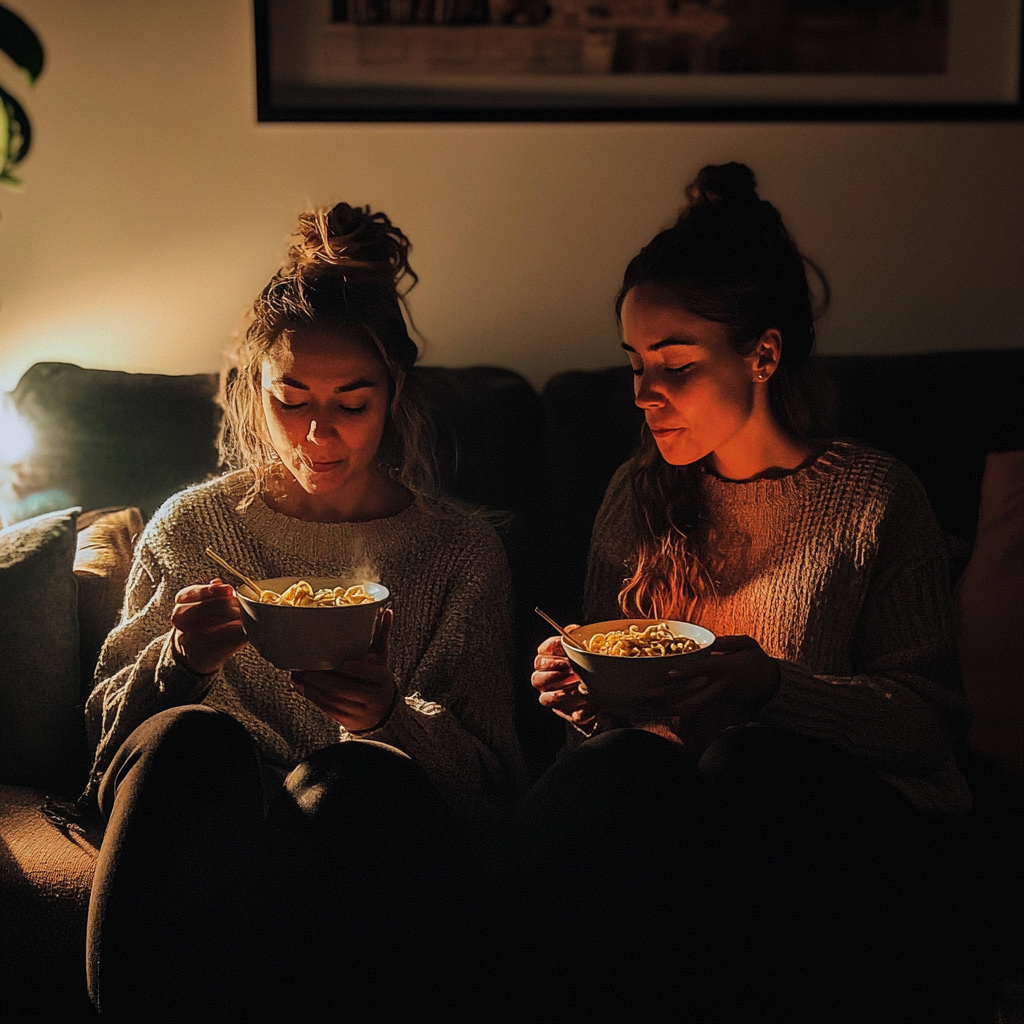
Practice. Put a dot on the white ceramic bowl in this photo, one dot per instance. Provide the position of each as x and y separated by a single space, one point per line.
300 639
615 683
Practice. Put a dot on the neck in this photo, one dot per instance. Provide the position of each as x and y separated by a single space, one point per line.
375 496
761 448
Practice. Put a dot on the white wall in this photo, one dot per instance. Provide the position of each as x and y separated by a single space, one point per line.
155 208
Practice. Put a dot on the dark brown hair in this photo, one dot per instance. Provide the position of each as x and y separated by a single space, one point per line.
728 258
347 271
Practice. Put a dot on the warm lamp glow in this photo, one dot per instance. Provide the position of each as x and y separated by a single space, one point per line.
16 437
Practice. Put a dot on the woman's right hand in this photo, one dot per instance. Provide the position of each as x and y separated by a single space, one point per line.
207 623
559 687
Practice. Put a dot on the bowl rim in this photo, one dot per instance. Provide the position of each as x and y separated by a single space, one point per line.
620 658
248 599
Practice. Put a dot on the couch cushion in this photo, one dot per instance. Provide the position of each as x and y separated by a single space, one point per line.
45 876
990 608
42 732
103 437
939 412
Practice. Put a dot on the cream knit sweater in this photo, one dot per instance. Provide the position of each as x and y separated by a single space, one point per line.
449 651
839 570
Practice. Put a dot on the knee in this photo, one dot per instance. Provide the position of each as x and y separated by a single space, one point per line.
359 777
191 731
176 744
615 785
768 754
618 760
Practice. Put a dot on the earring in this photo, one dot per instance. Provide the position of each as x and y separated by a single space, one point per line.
762 375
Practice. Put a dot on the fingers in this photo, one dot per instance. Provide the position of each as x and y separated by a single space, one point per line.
205 591
208 603
205 615
730 644
336 705
554 679
565 700
689 668
552 669
349 677
354 704
553 644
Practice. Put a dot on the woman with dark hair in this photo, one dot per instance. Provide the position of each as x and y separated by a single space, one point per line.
310 808
760 840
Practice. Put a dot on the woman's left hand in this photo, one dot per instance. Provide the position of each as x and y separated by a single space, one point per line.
360 693
706 696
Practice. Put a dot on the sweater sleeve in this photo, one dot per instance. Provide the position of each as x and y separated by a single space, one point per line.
457 720
137 674
903 707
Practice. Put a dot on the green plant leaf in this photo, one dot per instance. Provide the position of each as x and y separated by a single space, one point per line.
18 130
21 44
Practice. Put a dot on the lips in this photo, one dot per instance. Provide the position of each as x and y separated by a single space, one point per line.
664 431
324 467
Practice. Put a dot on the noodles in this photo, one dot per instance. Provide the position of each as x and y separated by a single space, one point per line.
637 642
301 595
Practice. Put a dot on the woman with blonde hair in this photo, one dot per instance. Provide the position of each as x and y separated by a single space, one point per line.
309 808
761 838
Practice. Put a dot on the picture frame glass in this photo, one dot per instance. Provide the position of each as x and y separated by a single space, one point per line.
320 59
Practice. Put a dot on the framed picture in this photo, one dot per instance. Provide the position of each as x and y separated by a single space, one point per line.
543 60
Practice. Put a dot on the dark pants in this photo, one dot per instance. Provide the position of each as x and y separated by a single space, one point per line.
777 880
204 908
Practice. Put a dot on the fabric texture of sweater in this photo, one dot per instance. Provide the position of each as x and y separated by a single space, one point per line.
450 645
840 571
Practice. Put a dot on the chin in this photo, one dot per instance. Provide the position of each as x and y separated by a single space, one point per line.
316 483
680 455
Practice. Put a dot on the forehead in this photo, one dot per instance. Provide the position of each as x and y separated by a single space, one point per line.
652 315
314 355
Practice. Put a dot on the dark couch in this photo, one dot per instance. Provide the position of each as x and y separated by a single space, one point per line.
539 463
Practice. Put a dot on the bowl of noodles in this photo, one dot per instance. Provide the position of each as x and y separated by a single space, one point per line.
622 659
312 622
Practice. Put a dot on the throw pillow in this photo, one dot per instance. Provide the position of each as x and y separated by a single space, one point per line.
42 731
990 604
106 543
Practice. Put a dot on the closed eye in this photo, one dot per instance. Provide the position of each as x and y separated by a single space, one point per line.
353 408
679 369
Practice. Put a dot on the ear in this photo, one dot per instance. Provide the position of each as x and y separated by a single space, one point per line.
766 355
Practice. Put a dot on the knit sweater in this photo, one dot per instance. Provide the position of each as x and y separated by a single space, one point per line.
840 571
450 644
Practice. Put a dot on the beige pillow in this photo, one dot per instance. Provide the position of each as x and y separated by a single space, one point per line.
103 556
990 606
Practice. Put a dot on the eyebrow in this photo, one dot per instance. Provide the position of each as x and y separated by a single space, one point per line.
341 389
662 344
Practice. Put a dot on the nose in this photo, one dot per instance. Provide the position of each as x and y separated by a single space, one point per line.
318 433
647 395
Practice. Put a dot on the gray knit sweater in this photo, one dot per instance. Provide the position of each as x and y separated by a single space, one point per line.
450 643
840 571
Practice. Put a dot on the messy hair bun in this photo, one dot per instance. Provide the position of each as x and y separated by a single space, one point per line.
350 240
346 271
723 183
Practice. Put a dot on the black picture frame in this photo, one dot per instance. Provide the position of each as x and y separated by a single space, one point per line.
290 102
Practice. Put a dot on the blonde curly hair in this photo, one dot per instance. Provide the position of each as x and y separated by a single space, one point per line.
347 270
